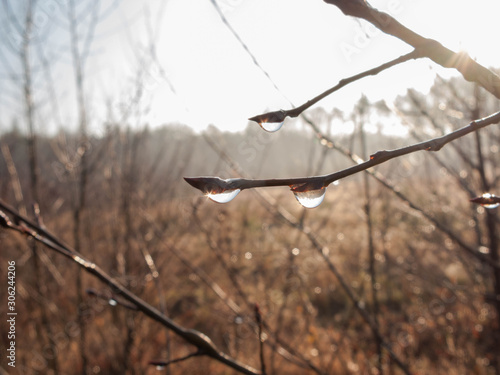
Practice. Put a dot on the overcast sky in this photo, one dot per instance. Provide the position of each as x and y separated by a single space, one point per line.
203 75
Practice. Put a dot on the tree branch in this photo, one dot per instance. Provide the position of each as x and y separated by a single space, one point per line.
324 252
281 115
216 185
470 69
204 344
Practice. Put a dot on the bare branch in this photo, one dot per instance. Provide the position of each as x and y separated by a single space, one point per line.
470 69
215 185
280 116
162 364
324 252
205 345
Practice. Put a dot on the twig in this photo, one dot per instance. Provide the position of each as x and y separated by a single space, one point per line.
281 115
324 253
327 142
162 364
215 185
470 69
258 319
25 226
285 350
112 299
371 243
14 177
245 47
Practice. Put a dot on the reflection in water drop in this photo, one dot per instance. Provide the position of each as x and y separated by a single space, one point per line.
490 201
311 198
223 197
112 302
487 200
271 126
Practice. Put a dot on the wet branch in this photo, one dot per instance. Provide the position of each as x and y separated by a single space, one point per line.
216 185
324 252
470 69
281 115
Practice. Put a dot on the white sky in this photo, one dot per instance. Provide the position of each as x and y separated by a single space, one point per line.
302 44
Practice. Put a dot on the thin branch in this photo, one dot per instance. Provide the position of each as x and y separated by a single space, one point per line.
258 319
205 345
14 177
327 142
281 115
162 364
215 185
210 185
245 47
470 69
285 350
323 251
111 299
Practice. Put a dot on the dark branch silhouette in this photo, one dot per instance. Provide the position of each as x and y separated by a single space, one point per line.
471 70
11 219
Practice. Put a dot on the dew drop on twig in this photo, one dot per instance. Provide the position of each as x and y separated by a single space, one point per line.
224 197
112 302
271 126
310 198
487 200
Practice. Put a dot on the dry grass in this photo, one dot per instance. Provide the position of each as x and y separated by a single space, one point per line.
432 308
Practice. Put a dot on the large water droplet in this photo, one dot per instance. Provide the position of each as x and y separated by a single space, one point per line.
271 126
112 302
271 121
310 198
224 197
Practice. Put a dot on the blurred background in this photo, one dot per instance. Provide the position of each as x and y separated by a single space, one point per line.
106 105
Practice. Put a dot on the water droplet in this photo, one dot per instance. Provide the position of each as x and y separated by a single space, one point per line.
484 250
310 198
224 197
487 200
490 201
271 126
271 121
160 367
112 302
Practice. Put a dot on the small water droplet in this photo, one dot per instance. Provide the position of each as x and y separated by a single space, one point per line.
271 126
487 200
484 250
224 197
112 302
490 201
310 198
160 367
